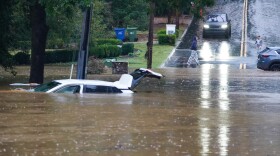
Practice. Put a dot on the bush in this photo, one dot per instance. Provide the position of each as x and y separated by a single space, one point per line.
95 66
105 51
166 39
163 32
55 43
61 56
22 58
127 48
107 42
23 45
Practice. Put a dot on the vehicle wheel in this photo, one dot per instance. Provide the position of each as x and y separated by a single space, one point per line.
275 67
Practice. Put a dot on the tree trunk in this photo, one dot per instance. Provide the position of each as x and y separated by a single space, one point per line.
177 19
169 16
151 35
38 42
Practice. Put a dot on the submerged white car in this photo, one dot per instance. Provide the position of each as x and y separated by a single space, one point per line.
125 84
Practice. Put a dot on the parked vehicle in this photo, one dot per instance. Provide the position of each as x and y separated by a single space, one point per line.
125 84
217 24
269 59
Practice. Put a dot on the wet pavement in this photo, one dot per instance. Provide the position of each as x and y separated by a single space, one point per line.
210 110
215 49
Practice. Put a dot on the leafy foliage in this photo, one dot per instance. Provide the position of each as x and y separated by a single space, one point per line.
127 13
60 56
105 51
95 66
166 39
127 48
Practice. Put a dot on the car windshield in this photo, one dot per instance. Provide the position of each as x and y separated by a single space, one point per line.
217 18
47 86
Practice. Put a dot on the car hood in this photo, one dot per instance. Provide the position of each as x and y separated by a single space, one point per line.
215 23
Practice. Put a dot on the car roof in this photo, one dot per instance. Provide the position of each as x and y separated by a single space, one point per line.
83 81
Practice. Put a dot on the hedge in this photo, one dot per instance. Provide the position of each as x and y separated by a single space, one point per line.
55 43
127 48
105 51
107 42
22 58
163 32
61 56
166 39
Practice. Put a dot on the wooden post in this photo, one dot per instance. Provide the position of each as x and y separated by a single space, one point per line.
151 35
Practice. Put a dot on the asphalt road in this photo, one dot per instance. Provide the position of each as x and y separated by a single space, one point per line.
263 18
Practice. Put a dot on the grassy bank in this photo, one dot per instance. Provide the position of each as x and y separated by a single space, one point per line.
160 53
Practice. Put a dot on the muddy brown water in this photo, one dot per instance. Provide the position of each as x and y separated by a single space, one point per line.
202 111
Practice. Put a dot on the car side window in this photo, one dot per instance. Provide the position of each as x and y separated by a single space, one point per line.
69 89
100 89
278 51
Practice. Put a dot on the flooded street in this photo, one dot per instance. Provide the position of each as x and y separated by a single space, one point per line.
224 106
192 111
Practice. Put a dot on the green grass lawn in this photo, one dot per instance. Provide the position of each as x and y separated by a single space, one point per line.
160 54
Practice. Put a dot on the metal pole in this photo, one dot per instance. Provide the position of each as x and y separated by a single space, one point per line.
83 52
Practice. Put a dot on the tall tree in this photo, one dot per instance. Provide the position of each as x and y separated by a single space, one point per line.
38 20
38 39
6 38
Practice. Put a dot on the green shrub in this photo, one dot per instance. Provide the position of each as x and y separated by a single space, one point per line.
61 56
127 48
105 51
22 58
107 42
166 39
163 32
55 43
95 66
23 45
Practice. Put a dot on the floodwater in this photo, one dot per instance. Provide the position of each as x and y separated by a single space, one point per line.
191 111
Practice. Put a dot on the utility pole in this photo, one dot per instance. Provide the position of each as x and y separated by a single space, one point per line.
151 35
83 52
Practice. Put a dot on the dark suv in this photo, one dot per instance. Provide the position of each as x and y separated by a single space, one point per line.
269 59
217 24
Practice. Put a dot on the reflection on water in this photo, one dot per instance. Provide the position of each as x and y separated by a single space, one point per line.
223 118
243 66
206 52
216 51
205 85
223 88
224 50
